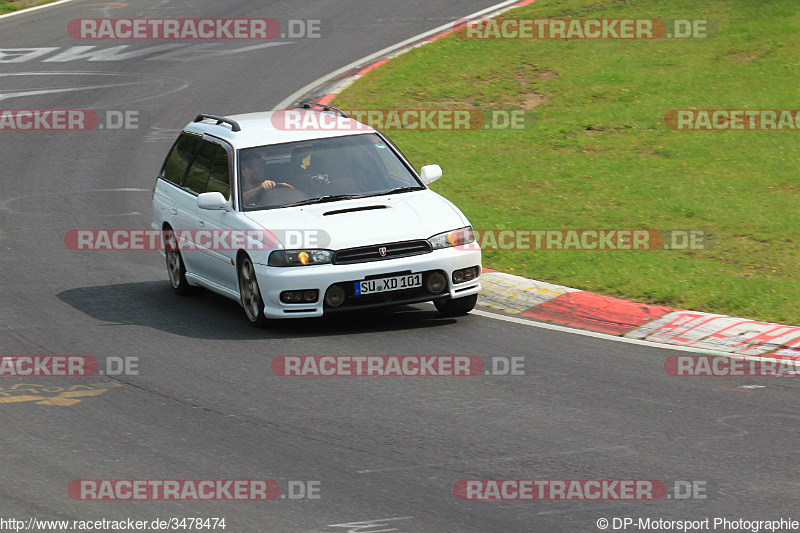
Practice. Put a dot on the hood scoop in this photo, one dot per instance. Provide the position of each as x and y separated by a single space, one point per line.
354 209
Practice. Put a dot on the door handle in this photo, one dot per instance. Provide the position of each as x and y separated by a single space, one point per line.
174 211
202 224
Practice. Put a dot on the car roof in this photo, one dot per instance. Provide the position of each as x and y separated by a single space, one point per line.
278 127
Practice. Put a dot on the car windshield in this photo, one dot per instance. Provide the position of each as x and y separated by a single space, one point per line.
321 170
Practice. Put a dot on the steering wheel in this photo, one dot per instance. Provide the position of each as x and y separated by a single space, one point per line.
263 193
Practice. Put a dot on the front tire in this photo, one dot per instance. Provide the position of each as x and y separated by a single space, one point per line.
175 267
250 294
456 306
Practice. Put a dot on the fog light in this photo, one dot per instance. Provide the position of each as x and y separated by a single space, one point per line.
436 283
301 296
334 296
465 274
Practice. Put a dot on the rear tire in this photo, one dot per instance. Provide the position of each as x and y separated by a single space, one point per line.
250 294
456 306
175 267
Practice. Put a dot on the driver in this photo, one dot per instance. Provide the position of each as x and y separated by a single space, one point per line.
253 181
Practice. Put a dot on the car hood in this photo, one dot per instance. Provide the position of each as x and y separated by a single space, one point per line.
363 221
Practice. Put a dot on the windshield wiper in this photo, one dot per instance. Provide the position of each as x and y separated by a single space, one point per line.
337 197
323 199
399 189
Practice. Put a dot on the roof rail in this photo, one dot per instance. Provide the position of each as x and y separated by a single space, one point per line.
234 125
309 105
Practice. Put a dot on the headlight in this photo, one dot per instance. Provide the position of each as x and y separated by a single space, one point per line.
290 258
457 237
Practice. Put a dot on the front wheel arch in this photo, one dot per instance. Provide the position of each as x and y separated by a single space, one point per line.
249 291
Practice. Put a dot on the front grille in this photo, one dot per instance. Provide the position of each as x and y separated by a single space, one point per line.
364 254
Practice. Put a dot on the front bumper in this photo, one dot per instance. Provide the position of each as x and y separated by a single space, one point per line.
275 280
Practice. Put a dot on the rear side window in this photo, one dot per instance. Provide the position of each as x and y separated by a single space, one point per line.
178 160
197 177
220 180
209 171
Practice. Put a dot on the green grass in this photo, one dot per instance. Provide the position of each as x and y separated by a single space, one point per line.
7 6
599 155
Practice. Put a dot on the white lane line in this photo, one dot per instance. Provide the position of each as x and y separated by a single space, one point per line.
37 92
320 81
596 335
28 10
354 527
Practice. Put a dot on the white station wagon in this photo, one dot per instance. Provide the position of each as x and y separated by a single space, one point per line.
349 223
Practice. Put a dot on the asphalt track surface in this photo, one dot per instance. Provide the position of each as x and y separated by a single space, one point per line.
206 405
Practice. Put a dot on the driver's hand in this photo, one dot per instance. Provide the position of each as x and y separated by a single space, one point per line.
267 185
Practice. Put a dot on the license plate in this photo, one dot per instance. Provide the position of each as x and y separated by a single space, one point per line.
372 286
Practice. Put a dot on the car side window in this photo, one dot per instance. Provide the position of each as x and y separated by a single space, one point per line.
197 177
177 161
220 180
